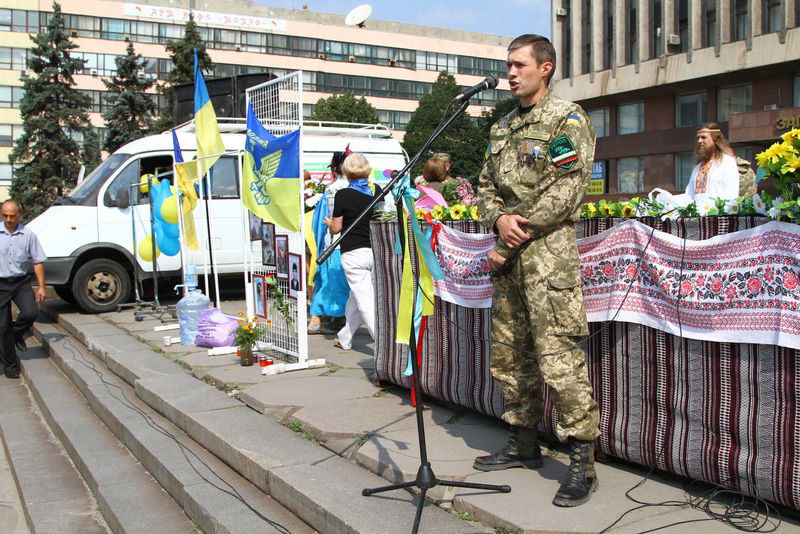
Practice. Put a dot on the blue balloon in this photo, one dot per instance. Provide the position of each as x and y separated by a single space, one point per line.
169 246
172 230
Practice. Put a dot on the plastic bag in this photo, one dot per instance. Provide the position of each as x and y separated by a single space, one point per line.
215 329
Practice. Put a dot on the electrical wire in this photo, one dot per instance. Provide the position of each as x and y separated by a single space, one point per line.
125 401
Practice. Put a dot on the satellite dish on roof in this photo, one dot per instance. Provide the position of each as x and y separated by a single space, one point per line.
358 15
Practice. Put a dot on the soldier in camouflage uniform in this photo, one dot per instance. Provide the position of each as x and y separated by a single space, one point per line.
536 173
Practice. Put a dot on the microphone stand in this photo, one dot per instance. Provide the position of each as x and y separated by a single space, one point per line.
425 478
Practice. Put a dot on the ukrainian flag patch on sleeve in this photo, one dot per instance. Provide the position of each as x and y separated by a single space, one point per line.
573 119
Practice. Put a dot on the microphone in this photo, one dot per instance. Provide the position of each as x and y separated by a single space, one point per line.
490 82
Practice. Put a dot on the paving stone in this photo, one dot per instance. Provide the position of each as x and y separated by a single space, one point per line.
366 416
314 390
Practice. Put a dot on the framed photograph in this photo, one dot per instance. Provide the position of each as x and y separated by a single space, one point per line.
255 227
260 295
268 244
282 257
295 275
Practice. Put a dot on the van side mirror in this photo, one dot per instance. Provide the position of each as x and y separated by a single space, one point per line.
123 198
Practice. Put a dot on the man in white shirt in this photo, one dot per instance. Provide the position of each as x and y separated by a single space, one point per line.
716 174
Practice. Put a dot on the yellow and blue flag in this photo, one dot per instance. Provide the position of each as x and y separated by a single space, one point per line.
186 176
271 174
209 140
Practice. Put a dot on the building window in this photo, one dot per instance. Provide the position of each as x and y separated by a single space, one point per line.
10 96
9 132
797 90
656 39
586 38
739 20
736 98
600 120
632 50
771 13
710 36
630 118
690 109
630 175
6 173
608 48
566 43
683 24
684 163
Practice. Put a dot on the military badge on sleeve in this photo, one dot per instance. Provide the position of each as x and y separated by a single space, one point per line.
562 153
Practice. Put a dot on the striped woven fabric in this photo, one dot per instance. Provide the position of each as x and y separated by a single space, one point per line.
720 412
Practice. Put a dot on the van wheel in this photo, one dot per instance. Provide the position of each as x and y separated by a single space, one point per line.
65 293
100 285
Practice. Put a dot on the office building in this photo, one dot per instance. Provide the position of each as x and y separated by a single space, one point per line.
650 71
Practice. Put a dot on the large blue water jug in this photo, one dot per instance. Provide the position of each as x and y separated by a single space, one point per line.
189 308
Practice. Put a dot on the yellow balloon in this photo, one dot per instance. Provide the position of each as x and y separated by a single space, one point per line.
169 209
144 183
146 248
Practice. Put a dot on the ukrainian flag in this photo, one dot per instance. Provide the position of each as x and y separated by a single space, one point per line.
186 176
209 141
271 174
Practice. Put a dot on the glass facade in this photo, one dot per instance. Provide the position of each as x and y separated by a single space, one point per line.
690 109
735 98
630 175
684 163
601 121
630 118
771 13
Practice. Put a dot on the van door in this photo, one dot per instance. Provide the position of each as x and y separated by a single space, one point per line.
129 226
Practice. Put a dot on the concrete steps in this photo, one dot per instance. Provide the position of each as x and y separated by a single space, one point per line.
226 445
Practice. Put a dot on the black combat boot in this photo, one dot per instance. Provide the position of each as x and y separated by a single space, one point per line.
521 450
582 479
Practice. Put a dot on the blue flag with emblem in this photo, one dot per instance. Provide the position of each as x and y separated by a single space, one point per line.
271 174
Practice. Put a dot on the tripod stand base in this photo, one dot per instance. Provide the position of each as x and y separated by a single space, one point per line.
426 480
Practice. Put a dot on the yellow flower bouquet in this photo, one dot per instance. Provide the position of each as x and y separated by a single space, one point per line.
781 164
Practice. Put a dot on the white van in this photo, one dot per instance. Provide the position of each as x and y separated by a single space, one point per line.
89 238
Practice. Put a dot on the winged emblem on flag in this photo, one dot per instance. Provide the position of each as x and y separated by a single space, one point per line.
264 172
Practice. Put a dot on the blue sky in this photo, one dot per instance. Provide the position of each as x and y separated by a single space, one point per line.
503 17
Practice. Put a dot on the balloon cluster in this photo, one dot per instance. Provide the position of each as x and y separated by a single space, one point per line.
165 220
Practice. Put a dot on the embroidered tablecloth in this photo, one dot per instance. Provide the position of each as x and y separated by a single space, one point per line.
723 412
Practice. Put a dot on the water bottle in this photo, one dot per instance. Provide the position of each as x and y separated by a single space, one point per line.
190 277
189 308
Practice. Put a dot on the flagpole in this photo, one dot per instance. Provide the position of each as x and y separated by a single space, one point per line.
248 266
213 257
205 215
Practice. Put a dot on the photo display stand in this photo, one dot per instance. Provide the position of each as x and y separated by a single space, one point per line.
425 478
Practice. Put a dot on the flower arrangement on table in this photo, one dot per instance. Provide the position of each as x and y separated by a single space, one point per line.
459 201
781 164
663 206
274 292
248 332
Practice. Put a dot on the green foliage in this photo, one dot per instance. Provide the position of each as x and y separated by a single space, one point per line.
345 108
181 54
90 155
48 158
462 139
130 110
501 109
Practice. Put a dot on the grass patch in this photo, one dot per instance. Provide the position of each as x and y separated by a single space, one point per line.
296 426
333 368
504 531
183 364
466 516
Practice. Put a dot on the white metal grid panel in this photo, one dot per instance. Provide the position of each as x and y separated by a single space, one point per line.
278 104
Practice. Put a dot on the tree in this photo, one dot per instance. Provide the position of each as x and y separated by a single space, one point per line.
130 109
345 108
90 155
46 155
462 139
181 54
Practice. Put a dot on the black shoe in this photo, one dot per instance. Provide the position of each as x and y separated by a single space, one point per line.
520 451
11 373
20 344
581 481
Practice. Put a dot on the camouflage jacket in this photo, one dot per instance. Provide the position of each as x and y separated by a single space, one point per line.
538 166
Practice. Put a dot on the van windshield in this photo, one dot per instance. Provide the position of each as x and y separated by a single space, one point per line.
86 192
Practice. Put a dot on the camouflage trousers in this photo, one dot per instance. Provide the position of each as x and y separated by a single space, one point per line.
535 328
